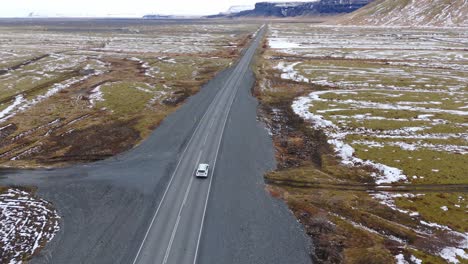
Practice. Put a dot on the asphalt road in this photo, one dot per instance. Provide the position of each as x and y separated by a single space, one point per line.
146 206
175 230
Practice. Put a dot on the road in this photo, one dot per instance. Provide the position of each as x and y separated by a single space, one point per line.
175 230
145 206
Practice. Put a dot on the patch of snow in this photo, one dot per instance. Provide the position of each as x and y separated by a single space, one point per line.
386 173
444 208
96 96
425 116
436 147
143 89
167 59
400 259
451 253
282 43
26 223
388 199
435 225
370 230
7 126
6 113
288 72
21 104
415 260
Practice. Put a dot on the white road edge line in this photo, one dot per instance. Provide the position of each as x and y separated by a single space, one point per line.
176 226
211 125
218 94
213 170
173 174
206 138
209 187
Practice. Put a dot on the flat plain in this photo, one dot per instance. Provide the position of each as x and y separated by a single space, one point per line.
63 83
369 125
371 138
80 90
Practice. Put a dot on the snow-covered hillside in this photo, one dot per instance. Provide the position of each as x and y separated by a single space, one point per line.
445 13
238 8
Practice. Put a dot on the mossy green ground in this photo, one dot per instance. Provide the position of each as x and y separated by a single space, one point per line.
435 167
125 99
385 99
376 74
431 207
422 165
431 166
137 69
185 67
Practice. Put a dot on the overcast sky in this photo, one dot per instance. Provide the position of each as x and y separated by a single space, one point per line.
21 8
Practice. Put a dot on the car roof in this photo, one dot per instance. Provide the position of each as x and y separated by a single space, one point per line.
203 166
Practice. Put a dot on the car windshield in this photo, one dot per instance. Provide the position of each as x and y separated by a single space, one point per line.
201 171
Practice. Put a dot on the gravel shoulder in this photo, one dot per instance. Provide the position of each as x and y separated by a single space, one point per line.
244 224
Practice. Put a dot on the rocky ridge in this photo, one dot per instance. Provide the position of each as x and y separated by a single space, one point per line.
294 9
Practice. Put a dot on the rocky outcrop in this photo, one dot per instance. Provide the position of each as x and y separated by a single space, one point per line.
293 9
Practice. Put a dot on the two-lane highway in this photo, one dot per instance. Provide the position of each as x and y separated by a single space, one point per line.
174 233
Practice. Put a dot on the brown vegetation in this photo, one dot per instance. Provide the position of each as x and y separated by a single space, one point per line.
70 127
331 200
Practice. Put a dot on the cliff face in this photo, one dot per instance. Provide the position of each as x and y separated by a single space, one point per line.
292 9
410 13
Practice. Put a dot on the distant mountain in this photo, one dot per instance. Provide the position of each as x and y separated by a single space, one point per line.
156 16
237 9
232 11
293 9
410 13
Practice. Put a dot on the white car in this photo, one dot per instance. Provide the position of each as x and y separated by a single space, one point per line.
202 170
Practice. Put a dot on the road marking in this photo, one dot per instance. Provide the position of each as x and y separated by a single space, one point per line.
176 226
218 94
214 164
211 124
209 129
206 137
209 109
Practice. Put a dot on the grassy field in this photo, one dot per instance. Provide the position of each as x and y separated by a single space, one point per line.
68 79
370 130
80 90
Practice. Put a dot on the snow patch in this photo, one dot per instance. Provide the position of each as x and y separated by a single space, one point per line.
415 260
282 43
96 96
451 253
25 224
288 72
400 259
386 174
7 112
